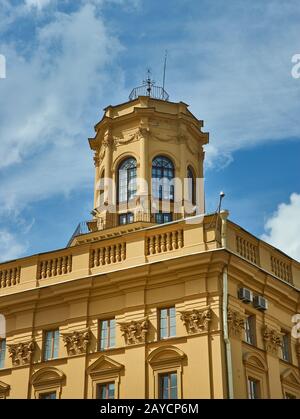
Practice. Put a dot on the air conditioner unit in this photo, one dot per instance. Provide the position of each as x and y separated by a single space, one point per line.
245 295
260 302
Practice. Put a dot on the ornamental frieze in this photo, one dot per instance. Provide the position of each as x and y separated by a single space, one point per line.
272 339
236 323
20 353
135 331
196 320
77 342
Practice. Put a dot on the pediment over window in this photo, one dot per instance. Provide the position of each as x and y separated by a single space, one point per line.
104 365
255 360
290 377
47 375
166 355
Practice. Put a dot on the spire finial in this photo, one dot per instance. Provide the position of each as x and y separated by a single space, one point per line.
149 82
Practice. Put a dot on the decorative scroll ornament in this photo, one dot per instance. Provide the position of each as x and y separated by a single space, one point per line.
236 323
20 353
135 331
136 136
77 342
196 320
272 339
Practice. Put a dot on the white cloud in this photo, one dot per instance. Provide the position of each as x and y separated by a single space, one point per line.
39 4
10 246
283 227
49 103
234 68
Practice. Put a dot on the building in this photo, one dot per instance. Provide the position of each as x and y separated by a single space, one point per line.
150 299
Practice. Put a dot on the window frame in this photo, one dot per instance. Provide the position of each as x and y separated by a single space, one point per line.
162 171
54 346
105 384
163 215
169 327
250 333
42 395
191 175
127 216
108 338
131 174
2 353
286 347
257 391
169 388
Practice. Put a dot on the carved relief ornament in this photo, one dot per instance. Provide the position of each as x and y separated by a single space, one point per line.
236 323
135 331
196 320
20 353
77 342
272 339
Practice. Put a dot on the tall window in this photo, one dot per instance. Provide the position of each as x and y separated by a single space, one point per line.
2 352
127 186
106 391
167 325
250 335
168 386
285 348
48 396
162 178
191 185
51 344
107 334
253 389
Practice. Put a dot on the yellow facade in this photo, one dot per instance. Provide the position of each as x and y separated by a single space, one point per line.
162 299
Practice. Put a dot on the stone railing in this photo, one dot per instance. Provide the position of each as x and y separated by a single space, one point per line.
164 242
54 267
9 277
247 249
282 269
107 255
125 248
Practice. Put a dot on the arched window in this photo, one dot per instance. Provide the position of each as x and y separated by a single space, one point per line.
127 186
191 185
162 178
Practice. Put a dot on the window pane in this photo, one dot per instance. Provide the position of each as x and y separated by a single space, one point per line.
111 391
127 186
106 391
48 345
286 347
56 344
162 176
46 396
2 352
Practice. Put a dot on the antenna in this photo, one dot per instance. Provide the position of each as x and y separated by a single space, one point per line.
165 66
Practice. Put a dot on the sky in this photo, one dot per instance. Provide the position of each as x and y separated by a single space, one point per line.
231 61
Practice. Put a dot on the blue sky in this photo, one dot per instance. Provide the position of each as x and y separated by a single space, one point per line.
67 60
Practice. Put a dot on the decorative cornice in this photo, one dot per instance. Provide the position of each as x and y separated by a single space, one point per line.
196 320
20 353
77 342
135 331
272 339
236 323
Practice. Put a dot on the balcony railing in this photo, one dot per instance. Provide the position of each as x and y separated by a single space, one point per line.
155 92
143 243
